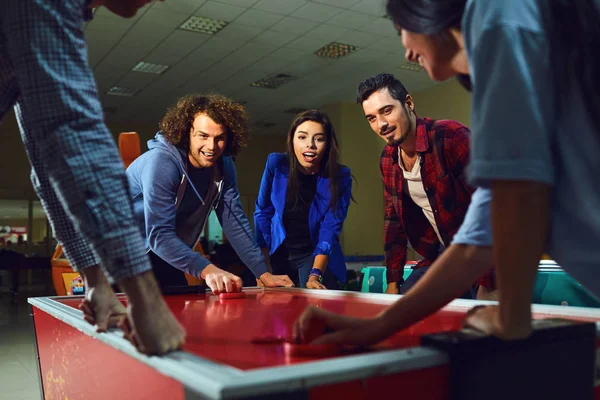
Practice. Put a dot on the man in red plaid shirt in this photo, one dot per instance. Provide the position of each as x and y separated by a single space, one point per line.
423 167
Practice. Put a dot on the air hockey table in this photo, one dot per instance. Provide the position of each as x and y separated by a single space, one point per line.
219 360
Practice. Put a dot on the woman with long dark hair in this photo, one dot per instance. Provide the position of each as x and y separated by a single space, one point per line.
302 204
534 70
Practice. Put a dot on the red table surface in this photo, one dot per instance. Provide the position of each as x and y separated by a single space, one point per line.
222 330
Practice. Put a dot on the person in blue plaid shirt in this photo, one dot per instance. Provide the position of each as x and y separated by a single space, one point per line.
76 169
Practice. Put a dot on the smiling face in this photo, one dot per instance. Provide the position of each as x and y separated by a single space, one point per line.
310 145
388 117
441 56
207 142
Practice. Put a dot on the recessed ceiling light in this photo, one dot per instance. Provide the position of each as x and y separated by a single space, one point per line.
120 91
203 25
150 68
273 81
335 50
411 66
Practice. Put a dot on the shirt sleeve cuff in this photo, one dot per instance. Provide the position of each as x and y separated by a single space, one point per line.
322 248
394 276
199 266
259 269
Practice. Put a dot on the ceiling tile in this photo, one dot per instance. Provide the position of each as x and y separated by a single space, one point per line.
284 7
136 80
242 57
329 32
261 49
180 6
305 65
210 77
107 75
381 26
257 42
238 81
289 54
277 38
372 7
316 12
241 3
361 39
259 18
179 44
104 12
109 26
182 72
319 37
220 11
309 42
338 3
238 31
352 19
217 47
98 48
294 25
269 64
164 18
102 34
389 45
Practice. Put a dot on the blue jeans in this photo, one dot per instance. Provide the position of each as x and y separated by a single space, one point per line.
298 268
419 272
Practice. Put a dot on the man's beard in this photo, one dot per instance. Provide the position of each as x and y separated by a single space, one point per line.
395 142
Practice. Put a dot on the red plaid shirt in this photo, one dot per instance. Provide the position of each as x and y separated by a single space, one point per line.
444 149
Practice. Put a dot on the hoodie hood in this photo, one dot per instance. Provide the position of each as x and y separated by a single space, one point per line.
160 143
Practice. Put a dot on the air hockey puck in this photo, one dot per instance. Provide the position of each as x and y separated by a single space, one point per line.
311 350
268 340
232 295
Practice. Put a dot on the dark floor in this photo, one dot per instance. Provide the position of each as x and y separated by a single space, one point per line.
18 367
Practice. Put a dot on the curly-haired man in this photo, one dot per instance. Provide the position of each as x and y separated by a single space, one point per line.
187 172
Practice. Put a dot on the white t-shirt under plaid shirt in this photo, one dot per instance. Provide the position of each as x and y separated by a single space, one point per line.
76 169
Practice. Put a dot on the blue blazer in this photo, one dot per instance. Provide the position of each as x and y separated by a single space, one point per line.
325 225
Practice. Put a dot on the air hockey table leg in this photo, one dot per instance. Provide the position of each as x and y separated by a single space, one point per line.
37 353
556 361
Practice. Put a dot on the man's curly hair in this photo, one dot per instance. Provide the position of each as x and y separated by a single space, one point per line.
177 122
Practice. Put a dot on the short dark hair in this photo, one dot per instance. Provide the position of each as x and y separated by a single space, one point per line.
378 82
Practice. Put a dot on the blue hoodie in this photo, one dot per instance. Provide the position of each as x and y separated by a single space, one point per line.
158 180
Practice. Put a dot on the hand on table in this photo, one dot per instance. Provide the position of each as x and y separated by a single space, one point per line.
150 325
100 306
314 283
486 319
318 326
220 281
269 280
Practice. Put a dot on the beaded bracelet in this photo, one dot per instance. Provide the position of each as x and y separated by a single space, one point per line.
316 272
